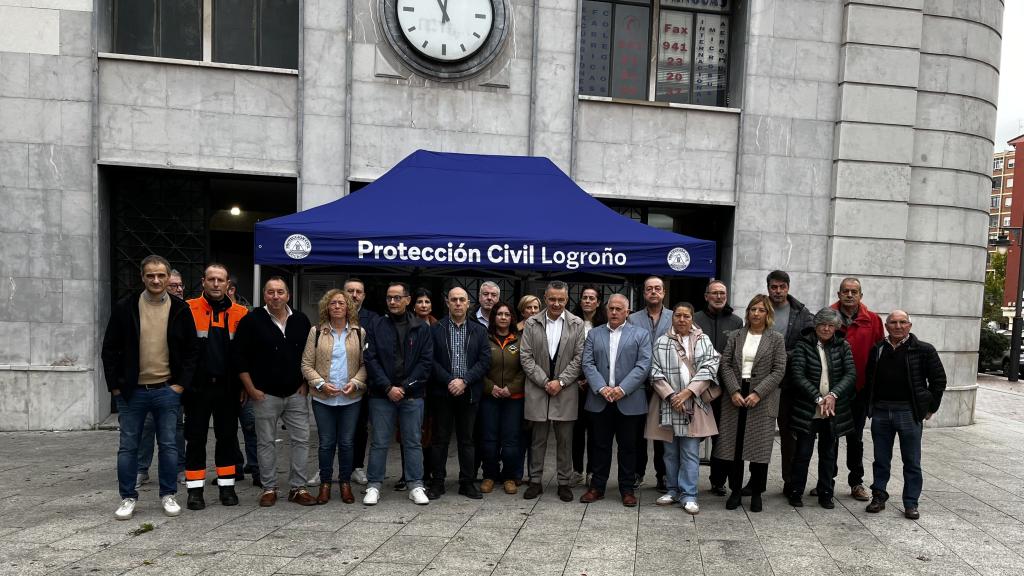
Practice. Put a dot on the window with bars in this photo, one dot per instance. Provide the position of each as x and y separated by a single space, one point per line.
249 32
690 39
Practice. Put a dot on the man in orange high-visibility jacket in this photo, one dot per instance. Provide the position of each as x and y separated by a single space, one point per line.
215 391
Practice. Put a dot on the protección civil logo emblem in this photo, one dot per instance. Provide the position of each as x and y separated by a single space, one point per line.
678 259
297 246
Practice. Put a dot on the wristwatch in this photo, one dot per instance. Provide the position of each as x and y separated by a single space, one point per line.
319 385
820 400
561 384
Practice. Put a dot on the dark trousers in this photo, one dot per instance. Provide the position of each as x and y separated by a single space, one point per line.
719 468
247 421
786 438
579 436
362 436
855 441
458 414
641 449
221 402
605 426
886 425
827 454
500 423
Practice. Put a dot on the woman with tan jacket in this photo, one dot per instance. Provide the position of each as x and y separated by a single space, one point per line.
332 364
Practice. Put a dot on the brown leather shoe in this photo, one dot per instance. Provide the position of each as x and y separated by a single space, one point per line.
487 486
629 500
268 499
346 493
591 495
325 493
301 496
511 487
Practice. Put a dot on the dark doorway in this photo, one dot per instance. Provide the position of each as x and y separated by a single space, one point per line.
190 218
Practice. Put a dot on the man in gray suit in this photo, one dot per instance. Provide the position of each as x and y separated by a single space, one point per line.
616 360
656 319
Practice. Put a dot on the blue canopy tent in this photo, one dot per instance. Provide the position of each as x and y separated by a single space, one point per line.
425 212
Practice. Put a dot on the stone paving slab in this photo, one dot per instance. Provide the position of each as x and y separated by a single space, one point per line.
58 493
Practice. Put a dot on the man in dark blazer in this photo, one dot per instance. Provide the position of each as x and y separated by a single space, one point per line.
616 360
462 357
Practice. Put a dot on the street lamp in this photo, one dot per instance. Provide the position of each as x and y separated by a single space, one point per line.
1002 244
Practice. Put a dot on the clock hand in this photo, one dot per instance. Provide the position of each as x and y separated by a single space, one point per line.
444 10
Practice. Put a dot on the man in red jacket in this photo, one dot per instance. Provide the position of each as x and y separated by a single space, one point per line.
863 329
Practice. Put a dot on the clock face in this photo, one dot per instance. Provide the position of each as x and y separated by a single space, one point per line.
446 30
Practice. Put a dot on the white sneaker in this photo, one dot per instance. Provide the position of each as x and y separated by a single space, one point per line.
140 480
359 476
691 508
315 480
372 496
417 495
666 500
577 479
126 509
170 505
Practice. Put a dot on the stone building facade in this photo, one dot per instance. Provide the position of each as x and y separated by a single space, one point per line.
849 137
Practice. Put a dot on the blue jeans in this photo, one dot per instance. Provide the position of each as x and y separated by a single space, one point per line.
500 427
384 414
165 406
336 428
886 424
147 444
682 467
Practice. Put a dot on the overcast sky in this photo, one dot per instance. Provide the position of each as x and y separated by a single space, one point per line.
1010 118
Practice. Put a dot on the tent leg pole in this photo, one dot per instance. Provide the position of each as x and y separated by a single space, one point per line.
256 292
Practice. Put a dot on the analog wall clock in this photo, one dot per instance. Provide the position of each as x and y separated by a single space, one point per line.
445 39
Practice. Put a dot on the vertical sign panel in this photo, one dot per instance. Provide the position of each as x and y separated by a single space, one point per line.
595 48
675 44
710 54
631 46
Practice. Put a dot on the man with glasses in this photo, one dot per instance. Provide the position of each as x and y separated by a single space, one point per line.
862 329
399 361
656 319
717 320
175 285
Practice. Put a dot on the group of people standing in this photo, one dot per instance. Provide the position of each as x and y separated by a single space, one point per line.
508 380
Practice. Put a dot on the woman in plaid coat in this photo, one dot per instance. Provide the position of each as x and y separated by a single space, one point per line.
684 373
753 364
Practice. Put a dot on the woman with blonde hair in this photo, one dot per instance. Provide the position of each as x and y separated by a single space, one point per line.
529 305
752 367
332 364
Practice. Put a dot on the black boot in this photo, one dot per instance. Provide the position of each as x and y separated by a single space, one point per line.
734 501
195 499
228 496
755 502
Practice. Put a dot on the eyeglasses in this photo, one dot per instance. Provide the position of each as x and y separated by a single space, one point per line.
175 285
716 293
392 298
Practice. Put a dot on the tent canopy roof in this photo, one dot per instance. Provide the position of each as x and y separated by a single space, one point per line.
437 209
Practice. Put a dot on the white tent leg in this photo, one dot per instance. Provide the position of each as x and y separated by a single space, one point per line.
256 292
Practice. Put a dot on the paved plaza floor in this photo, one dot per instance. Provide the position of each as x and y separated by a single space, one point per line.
58 495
